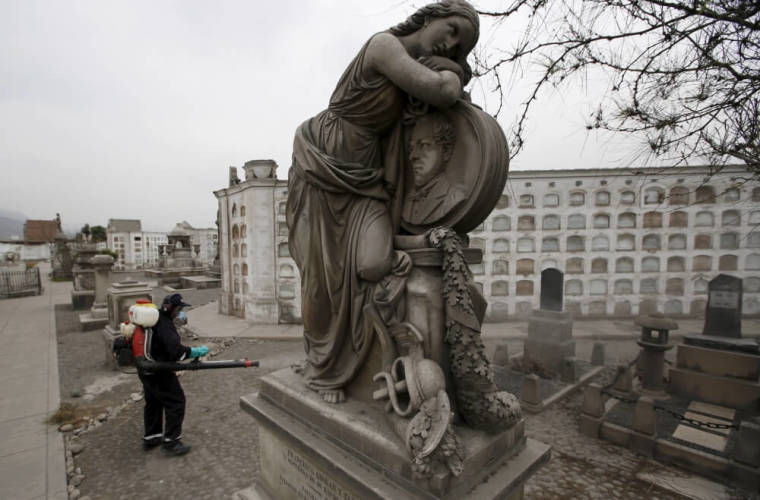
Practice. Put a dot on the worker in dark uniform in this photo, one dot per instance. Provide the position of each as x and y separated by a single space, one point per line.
164 397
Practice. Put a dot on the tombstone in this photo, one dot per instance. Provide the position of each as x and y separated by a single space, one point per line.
550 330
723 317
719 366
551 289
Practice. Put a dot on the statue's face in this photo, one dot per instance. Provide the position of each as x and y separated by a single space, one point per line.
425 154
445 36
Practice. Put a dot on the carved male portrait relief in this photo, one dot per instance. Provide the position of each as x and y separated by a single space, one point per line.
433 195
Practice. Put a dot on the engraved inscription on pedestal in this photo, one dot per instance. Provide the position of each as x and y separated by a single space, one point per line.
289 474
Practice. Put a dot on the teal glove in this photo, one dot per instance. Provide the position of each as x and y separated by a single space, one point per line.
197 352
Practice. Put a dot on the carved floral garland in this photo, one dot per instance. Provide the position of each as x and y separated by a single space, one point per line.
482 405
449 450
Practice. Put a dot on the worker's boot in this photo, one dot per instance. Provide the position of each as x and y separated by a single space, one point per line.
152 442
175 447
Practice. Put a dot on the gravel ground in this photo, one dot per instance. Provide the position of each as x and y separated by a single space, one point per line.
109 462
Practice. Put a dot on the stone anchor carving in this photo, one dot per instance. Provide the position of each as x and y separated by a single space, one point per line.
413 376
416 384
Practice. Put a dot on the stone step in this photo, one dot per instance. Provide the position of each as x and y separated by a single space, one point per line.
718 362
724 391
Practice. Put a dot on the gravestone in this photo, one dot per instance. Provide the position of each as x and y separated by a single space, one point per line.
719 366
723 317
551 289
550 330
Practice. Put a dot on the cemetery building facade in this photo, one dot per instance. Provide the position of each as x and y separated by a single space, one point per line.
204 240
135 248
138 249
628 241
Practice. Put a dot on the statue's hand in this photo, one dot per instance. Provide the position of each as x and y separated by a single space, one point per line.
439 63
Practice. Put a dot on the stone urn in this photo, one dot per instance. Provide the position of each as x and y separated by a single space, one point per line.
259 169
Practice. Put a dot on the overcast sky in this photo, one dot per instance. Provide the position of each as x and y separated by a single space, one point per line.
136 109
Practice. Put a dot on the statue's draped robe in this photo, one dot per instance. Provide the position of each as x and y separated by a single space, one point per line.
345 173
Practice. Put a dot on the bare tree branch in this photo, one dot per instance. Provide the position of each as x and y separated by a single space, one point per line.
684 74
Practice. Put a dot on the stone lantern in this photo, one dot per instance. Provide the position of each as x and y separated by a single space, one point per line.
655 328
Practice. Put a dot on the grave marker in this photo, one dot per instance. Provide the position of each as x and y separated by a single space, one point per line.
723 317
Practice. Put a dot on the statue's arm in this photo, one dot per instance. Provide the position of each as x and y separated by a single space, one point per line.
388 57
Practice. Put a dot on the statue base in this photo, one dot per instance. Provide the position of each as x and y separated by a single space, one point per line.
82 300
312 449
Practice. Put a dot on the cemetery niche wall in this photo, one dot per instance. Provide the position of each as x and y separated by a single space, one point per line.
396 398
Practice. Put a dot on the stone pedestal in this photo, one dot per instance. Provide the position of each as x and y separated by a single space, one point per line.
83 294
655 329
98 315
722 377
82 299
120 297
311 449
550 339
172 276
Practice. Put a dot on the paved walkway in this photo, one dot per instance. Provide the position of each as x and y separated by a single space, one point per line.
205 321
32 462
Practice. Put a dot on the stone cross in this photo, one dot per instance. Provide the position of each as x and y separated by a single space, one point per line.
723 317
552 289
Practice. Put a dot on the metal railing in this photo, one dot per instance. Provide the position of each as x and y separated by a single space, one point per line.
19 283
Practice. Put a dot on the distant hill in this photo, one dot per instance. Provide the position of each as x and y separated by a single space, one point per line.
11 224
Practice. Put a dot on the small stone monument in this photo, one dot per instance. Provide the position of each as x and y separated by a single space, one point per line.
62 261
719 366
177 260
120 296
83 294
550 329
98 315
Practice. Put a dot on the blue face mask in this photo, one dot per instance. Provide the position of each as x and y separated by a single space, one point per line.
182 318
